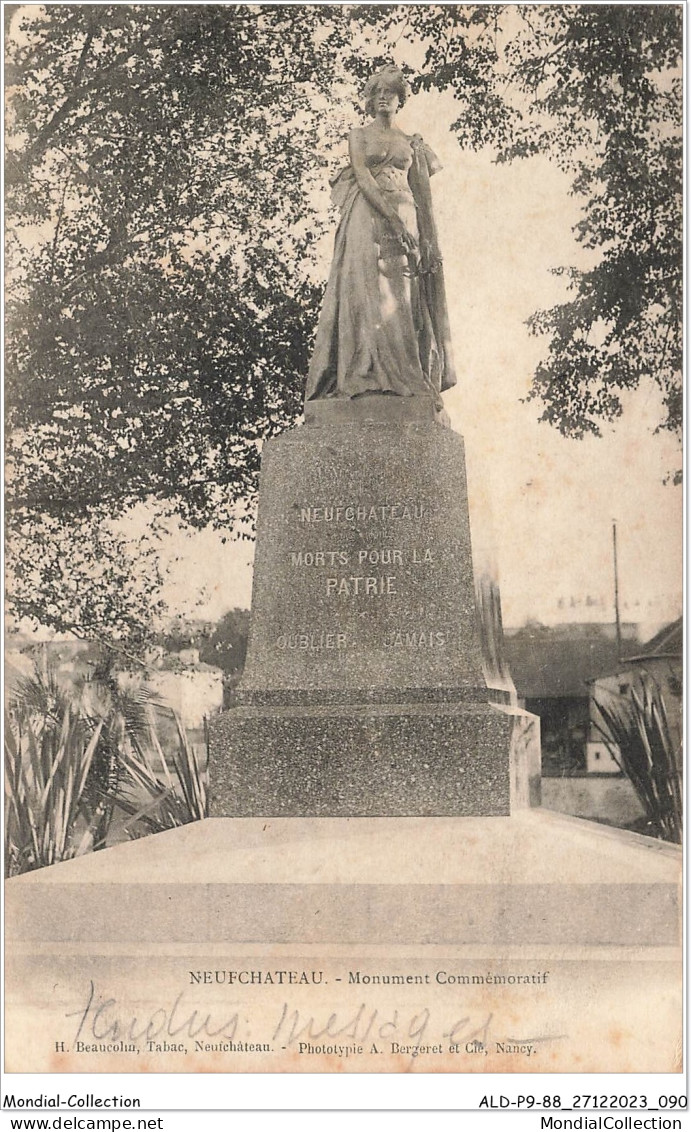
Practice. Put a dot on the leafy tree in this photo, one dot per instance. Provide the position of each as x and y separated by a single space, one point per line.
597 87
77 574
159 169
165 189
227 645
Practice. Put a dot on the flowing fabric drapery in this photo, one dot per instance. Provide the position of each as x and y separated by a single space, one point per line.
384 324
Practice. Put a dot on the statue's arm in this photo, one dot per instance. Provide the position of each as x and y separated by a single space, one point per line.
370 190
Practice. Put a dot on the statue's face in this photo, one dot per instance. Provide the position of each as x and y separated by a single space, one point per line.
386 98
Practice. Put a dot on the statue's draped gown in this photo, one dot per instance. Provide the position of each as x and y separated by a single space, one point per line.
384 324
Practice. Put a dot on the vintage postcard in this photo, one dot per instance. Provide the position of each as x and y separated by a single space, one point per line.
344 586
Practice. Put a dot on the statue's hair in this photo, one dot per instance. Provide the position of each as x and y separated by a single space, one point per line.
395 77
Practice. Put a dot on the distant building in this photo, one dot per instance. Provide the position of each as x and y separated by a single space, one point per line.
67 657
660 658
552 667
193 690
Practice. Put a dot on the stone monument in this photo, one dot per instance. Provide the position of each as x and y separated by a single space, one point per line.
469 931
363 692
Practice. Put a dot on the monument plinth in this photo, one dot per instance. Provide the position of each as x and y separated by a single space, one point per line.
363 692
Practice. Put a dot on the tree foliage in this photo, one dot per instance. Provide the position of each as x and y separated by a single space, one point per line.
166 185
227 646
597 87
159 171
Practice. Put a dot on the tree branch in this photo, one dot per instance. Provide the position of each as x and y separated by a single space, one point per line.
54 248
83 57
71 102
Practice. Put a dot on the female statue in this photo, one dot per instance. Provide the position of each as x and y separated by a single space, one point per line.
384 324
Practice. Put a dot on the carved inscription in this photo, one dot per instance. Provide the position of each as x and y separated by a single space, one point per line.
319 558
415 640
359 584
362 584
312 641
366 572
363 513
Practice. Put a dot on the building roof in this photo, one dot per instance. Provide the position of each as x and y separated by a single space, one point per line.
669 642
667 645
551 661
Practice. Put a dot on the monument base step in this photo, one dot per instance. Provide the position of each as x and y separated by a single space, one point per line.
527 944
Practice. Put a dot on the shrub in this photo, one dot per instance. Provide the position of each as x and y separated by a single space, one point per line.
635 727
76 751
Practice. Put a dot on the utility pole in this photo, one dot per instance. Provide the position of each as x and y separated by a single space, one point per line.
616 587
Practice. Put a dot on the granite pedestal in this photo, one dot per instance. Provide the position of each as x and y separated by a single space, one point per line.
363 692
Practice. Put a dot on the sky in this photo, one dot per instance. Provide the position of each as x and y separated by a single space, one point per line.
543 503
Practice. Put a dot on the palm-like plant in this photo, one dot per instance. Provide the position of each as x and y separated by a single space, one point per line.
75 751
125 711
47 762
173 784
635 727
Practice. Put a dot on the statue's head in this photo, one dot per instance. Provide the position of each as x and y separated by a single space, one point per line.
391 79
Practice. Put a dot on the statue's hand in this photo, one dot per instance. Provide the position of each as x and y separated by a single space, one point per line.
409 242
406 237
